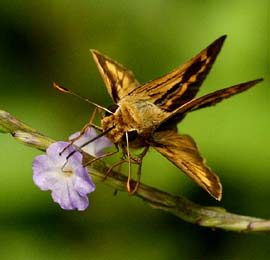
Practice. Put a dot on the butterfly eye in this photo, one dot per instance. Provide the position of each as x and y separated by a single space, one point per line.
132 135
112 108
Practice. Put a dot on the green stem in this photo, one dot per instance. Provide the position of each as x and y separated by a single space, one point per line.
213 217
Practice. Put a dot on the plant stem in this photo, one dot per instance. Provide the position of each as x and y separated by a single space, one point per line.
213 217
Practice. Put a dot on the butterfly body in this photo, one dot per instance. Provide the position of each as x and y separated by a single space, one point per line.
133 115
146 115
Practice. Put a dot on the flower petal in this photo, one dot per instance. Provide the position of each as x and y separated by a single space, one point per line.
94 148
59 151
68 198
62 171
100 144
83 183
42 166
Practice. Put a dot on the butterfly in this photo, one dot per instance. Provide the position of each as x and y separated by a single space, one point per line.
146 115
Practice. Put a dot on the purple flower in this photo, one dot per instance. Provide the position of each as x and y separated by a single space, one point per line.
62 172
94 148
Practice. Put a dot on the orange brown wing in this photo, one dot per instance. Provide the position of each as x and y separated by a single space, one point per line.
118 80
210 99
182 151
182 84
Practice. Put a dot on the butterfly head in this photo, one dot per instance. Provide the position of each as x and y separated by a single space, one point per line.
122 123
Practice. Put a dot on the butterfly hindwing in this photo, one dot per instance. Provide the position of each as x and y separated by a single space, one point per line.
182 151
119 81
213 98
210 99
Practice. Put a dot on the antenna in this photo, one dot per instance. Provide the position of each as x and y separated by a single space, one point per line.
65 90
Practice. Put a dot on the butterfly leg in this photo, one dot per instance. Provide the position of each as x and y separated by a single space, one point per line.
138 160
131 159
101 157
130 186
119 164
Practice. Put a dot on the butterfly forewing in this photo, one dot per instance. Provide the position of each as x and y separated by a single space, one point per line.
182 84
119 81
182 151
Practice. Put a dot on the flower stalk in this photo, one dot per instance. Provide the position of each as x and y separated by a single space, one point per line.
213 217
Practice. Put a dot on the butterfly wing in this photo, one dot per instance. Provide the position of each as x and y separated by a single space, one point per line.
182 84
182 151
206 101
119 81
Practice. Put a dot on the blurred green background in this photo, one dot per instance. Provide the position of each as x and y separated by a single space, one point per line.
45 41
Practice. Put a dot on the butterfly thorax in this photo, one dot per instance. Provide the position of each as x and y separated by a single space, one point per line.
133 116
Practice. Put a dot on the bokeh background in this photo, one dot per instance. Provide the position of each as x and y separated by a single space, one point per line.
46 41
